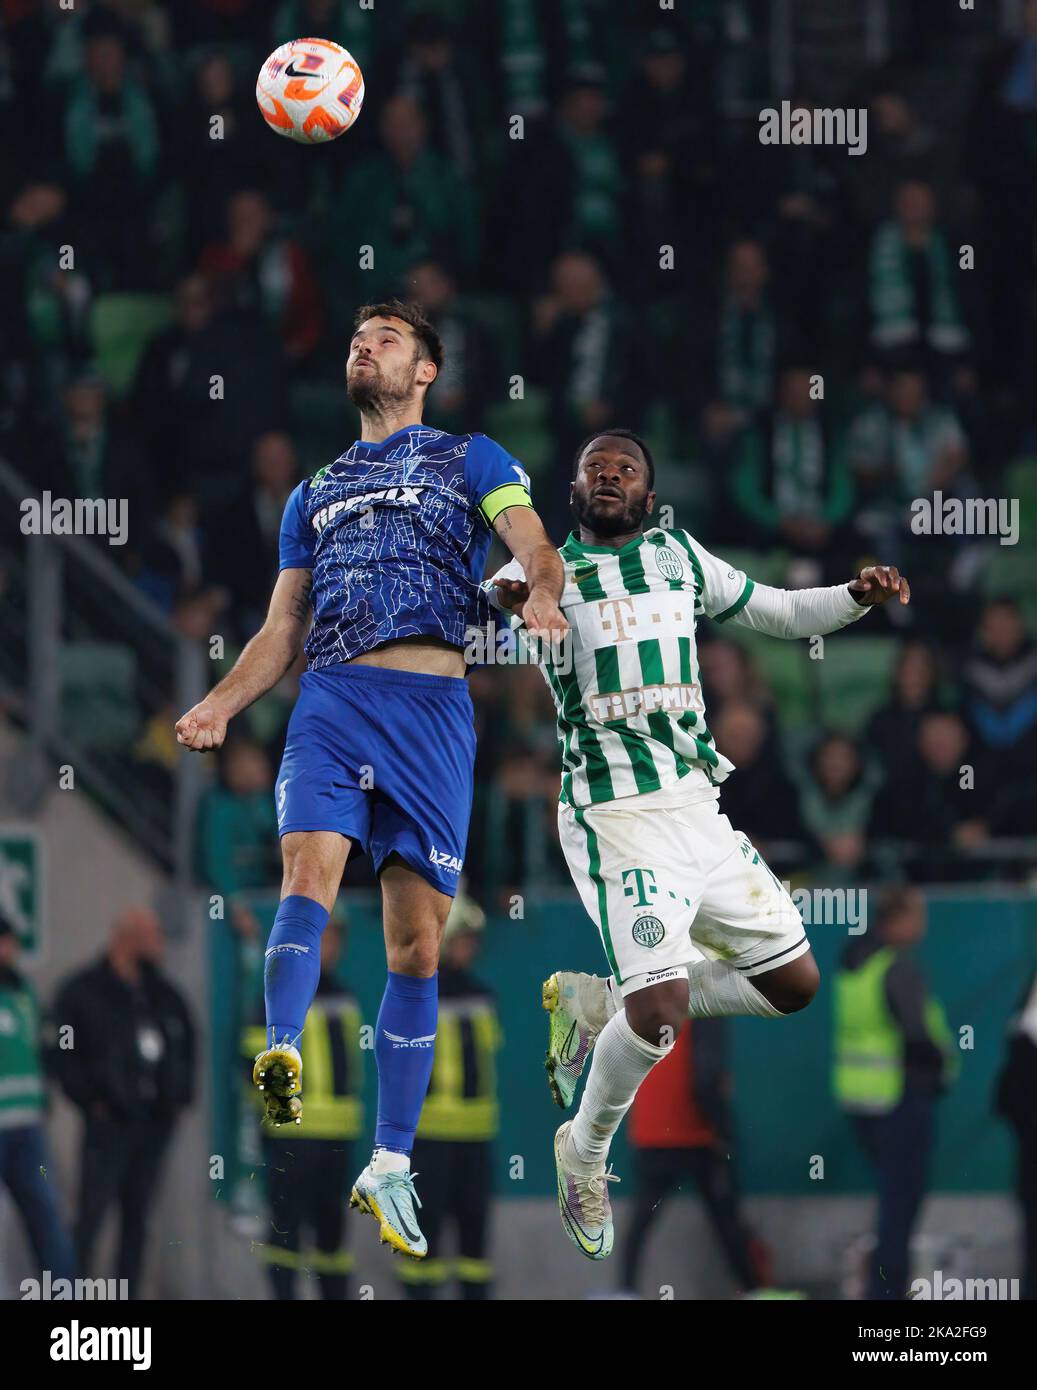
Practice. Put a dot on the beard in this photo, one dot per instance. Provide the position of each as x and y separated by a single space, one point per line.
604 518
370 391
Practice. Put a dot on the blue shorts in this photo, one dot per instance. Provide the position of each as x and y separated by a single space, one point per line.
385 758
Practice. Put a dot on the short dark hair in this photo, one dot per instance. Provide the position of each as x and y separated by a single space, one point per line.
411 315
620 433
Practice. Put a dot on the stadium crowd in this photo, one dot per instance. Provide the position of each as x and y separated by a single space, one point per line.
789 326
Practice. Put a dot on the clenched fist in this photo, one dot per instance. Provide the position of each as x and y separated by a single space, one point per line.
203 727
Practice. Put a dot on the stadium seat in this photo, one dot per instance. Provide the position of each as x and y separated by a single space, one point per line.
854 679
121 326
98 694
786 670
519 427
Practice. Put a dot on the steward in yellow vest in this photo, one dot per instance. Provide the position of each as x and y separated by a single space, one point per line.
894 1056
310 1165
453 1148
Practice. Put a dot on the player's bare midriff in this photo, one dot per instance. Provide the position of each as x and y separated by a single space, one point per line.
427 655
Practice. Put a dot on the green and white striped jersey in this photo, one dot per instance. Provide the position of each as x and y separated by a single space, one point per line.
627 690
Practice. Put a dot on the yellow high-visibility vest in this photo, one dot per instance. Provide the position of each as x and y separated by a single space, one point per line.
869 1047
461 1104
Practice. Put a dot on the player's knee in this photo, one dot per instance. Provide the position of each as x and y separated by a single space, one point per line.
657 1012
798 984
417 953
307 881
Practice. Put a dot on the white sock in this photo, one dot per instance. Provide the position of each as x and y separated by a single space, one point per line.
718 990
620 1062
388 1161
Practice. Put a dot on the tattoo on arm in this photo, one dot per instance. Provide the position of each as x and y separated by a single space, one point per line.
301 600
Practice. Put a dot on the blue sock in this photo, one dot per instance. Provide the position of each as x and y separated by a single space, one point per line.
292 967
403 1050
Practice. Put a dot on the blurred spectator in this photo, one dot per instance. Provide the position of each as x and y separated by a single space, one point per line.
111 150
1000 682
1016 1088
406 202
901 449
44 311
681 1128
215 161
736 345
580 353
941 802
459 1120
465 384
241 542
205 388
237 831
903 147
433 76
759 799
309 1168
24 1158
790 196
92 455
836 800
130 1072
791 483
912 274
171 564
893 1058
669 105
568 164
257 267
893 731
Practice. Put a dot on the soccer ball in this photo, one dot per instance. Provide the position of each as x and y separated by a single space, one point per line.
310 90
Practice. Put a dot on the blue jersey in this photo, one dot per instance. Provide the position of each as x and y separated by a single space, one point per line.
396 535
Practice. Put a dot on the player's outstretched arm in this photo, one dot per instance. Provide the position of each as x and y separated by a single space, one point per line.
814 612
523 533
259 667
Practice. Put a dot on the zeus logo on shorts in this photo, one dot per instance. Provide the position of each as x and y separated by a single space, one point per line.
407 496
282 797
442 860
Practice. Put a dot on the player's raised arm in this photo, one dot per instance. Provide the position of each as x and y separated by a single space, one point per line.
259 667
729 595
523 533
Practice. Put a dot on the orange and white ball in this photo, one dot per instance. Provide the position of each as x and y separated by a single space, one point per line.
310 90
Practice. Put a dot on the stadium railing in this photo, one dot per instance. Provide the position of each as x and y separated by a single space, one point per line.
95 674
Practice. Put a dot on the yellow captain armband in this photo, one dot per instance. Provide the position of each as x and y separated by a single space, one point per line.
507 495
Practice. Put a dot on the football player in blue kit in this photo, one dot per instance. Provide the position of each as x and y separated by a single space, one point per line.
384 549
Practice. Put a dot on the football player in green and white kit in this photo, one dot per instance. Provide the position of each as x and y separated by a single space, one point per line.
691 918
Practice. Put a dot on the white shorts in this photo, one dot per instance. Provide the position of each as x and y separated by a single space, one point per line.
672 884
